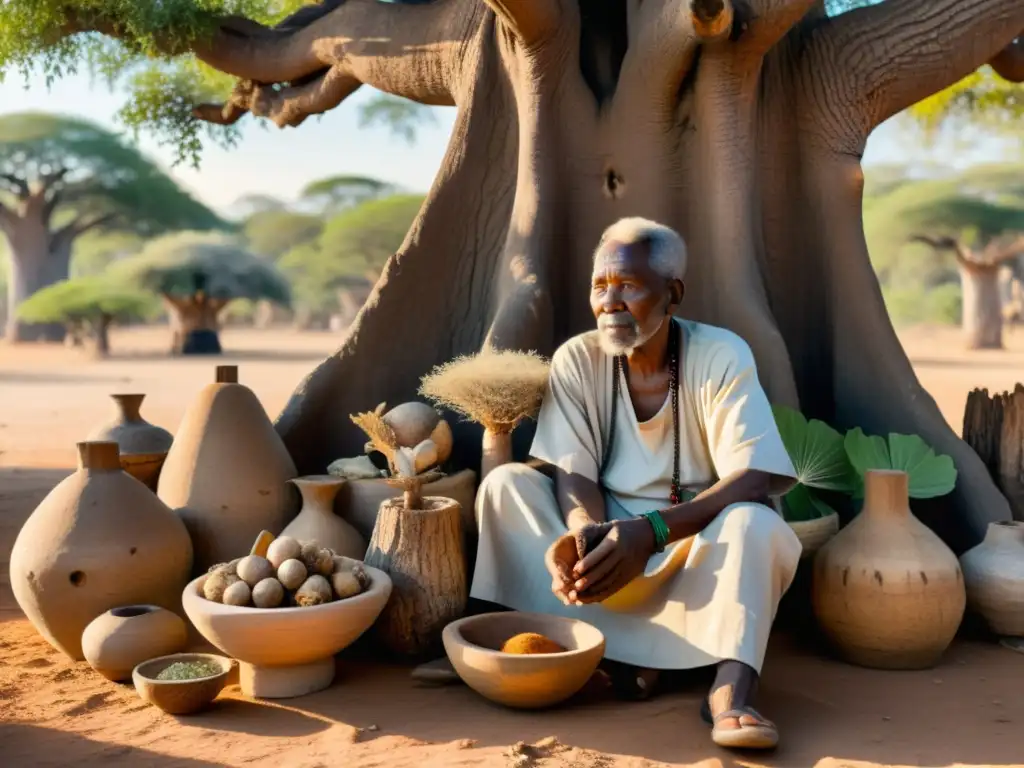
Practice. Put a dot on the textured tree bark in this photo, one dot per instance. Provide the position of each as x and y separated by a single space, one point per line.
101 340
982 316
422 551
195 324
33 265
994 427
740 123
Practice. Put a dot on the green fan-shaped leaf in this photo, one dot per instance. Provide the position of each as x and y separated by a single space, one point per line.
802 503
816 450
931 475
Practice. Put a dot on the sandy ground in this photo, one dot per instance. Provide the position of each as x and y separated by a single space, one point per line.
967 711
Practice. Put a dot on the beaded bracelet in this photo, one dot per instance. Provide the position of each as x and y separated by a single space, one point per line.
661 532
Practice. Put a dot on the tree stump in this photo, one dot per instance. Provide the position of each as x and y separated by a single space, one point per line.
994 428
422 551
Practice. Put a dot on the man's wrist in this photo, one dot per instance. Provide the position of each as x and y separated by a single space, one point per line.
577 519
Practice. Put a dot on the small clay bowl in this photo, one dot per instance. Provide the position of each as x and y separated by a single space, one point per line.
523 681
180 697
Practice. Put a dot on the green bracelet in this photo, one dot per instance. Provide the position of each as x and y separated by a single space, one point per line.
661 532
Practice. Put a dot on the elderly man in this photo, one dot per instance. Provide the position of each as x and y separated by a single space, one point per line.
654 527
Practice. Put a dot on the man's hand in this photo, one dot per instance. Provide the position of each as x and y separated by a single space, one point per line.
620 557
560 559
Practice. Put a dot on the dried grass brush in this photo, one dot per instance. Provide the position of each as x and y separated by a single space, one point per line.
382 437
494 388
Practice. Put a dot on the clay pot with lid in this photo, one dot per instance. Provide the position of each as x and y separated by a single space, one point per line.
143 446
887 592
100 539
317 521
226 472
994 575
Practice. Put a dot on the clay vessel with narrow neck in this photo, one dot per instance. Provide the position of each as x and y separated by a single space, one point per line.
994 574
143 446
317 521
887 592
100 539
226 472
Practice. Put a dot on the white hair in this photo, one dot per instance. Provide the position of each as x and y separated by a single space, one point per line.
667 249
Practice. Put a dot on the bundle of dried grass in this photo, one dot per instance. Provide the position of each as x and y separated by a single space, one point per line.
382 437
497 389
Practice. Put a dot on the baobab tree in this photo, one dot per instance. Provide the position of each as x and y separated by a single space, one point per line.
982 316
62 177
741 123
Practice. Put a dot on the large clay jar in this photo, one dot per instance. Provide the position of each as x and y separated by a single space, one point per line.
121 638
100 539
994 575
143 446
886 591
226 472
316 520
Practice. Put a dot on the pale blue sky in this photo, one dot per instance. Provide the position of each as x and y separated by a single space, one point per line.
280 162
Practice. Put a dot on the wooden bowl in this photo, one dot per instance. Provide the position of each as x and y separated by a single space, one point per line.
180 697
524 681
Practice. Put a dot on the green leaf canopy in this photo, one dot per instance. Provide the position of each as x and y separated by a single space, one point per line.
186 263
88 298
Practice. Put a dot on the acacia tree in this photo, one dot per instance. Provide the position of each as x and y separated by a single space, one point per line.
741 123
89 306
62 177
197 274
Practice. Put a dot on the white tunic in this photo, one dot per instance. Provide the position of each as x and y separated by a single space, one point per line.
704 599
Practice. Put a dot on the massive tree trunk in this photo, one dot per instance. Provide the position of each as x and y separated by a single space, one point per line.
39 254
742 128
195 324
982 300
982 316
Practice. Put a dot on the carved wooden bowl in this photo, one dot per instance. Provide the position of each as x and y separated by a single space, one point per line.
523 681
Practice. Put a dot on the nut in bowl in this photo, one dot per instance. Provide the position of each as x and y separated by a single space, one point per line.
534 677
182 683
286 651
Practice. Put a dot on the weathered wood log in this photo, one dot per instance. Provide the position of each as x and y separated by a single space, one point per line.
994 428
423 552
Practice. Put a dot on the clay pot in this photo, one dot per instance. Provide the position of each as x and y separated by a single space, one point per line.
317 522
886 590
286 652
143 446
226 472
117 641
523 681
361 499
994 575
423 552
99 540
814 533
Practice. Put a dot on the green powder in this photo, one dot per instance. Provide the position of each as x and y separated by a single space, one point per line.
188 670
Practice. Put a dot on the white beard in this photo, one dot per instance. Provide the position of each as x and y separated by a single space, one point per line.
615 348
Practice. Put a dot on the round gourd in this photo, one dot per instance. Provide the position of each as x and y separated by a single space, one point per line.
238 594
345 584
317 559
216 583
254 569
411 422
284 548
530 643
268 593
292 574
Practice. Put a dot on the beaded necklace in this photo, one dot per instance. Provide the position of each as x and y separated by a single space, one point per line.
618 369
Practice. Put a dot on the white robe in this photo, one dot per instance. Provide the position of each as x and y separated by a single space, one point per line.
708 598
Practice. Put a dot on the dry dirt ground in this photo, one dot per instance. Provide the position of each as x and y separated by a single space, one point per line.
967 711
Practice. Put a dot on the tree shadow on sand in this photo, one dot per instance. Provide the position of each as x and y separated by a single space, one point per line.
30 745
963 711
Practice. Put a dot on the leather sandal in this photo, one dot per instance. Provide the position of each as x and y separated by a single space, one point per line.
762 736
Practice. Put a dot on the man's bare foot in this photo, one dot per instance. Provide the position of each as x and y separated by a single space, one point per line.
730 710
630 682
